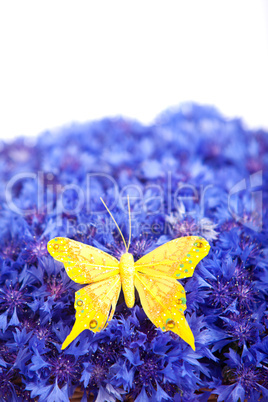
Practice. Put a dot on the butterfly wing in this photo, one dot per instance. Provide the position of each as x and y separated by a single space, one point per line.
83 263
95 303
176 259
163 300
162 297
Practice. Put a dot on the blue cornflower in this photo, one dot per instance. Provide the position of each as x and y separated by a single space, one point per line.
7 387
243 329
14 303
191 151
246 376
10 250
33 250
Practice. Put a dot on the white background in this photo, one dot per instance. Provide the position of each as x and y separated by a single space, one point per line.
65 61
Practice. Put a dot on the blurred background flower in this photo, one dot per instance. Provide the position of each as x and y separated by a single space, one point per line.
131 359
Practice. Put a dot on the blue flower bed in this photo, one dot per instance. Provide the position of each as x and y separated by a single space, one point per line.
191 172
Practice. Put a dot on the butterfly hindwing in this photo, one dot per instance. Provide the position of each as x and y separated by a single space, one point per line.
83 263
95 305
163 300
177 258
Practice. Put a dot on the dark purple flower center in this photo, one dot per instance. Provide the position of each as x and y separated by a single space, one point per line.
55 287
64 369
148 372
13 297
248 376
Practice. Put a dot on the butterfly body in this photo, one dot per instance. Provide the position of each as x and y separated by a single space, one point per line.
127 272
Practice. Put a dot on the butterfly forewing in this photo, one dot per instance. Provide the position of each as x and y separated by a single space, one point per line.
177 258
163 300
83 263
93 304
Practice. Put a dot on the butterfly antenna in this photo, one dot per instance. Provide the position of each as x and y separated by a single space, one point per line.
115 224
129 219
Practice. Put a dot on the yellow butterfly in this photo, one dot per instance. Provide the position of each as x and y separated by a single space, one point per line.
154 276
